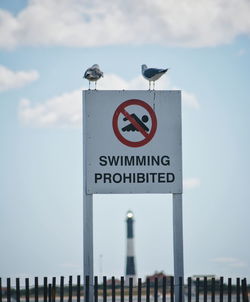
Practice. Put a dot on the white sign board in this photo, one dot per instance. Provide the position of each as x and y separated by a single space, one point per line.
133 141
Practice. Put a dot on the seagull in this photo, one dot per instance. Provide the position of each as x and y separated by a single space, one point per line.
93 74
152 74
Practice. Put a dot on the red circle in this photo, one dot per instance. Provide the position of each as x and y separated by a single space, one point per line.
121 108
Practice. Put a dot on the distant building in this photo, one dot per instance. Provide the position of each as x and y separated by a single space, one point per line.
159 276
130 260
117 282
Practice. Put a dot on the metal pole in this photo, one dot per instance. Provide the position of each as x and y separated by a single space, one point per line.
88 262
178 244
88 242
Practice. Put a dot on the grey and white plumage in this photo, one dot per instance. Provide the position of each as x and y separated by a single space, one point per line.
152 74
93 74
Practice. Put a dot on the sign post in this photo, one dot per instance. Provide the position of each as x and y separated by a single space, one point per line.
178 244
132 144
88 261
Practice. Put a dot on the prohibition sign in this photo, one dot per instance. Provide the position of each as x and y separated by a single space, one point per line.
121 109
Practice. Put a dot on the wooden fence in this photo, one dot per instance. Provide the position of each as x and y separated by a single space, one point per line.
115 290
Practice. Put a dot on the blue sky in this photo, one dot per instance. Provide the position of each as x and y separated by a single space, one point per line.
45 47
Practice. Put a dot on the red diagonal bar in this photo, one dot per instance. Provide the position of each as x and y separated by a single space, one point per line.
134 123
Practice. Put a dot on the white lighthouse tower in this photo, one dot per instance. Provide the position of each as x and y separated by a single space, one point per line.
130 263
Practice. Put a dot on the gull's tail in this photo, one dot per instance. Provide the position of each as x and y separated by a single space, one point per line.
164 70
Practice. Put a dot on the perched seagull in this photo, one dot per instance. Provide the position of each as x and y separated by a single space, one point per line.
93 74
152 74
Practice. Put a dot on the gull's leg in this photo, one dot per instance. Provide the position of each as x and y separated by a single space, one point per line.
154 85
89 85
95 85
148 85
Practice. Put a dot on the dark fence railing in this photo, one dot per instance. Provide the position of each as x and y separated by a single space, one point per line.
117 290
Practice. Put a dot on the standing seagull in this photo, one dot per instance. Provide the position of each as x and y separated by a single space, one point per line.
152 74
93 74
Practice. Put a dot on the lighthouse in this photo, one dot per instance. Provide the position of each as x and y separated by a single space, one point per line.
130 263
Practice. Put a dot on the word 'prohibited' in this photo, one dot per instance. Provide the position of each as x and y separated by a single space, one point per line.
133 141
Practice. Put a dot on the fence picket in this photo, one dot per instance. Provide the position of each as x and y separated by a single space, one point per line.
27 290
36 290
164 287
213 290
45 289
130 290
113 288
139 290
17 290
189 288
86 289
205 289
180 289
197 292
96 289
148 290
104 294
122 289
244 290
229 290
78 290
70 288
156 290
238 290
221 288
53 290
8 290
61 289
172 289
50 292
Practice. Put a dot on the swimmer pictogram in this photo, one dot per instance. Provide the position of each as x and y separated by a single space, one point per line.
141 122
136 123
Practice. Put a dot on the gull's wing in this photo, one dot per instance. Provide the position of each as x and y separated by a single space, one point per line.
150 72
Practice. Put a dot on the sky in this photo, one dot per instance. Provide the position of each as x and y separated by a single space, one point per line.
45 47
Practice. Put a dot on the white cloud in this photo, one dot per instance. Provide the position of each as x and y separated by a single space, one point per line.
65 110
10 79
230 261
84 23
62 111
191 183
